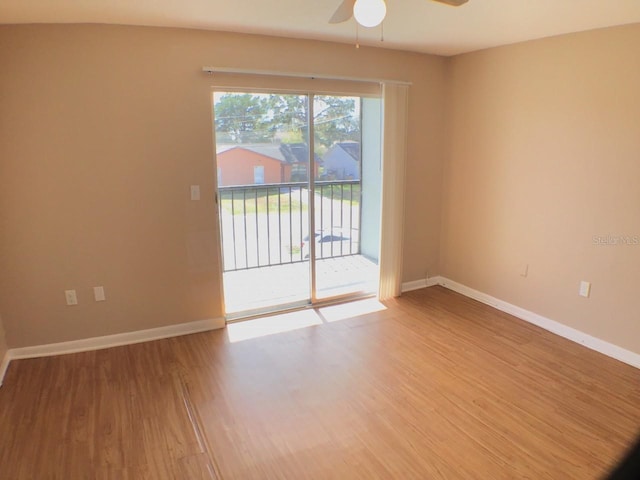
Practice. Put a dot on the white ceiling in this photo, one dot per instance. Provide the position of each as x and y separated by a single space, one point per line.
416 25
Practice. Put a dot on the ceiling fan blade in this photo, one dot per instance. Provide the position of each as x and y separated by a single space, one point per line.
453 3
344 12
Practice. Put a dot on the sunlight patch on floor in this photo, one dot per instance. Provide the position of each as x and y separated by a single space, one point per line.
271 325
344 311
286 322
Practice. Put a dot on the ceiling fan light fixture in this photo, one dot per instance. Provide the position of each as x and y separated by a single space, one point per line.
369 13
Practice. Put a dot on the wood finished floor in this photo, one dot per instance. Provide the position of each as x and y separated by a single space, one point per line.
435 386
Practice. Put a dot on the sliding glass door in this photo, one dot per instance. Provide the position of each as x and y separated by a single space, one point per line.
292 171
340 266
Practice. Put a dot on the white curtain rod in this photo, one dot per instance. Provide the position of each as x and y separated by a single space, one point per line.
275 73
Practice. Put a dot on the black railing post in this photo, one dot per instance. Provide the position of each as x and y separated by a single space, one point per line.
233 229
268 231
252 192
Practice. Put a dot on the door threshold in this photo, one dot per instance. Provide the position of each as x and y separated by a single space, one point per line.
265 311
293 307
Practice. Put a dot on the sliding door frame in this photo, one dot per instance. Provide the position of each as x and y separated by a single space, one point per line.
310 95
311 184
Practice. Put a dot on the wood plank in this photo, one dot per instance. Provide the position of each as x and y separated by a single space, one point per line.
434 386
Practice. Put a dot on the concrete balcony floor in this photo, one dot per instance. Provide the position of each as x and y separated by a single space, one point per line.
274 286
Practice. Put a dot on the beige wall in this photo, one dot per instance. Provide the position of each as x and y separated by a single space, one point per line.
103 129
543 155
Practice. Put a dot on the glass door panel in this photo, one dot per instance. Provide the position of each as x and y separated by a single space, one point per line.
296 226
341 267
262 155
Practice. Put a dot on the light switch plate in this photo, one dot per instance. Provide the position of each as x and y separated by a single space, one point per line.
585 289
195 192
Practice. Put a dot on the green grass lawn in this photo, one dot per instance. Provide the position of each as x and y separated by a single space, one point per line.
252 201
348 193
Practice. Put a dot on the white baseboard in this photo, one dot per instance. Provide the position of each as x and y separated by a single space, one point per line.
602 346
418 284
108 341
3 366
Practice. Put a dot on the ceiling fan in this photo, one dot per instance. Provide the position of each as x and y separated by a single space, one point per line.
370 13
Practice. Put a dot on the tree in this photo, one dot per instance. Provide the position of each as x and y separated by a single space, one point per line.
335 118
247 118
242 118
290 115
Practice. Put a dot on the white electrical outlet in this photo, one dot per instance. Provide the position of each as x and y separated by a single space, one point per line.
71 297
195 192
98 294
585 289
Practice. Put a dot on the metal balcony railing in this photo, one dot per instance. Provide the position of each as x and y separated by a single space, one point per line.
266 225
